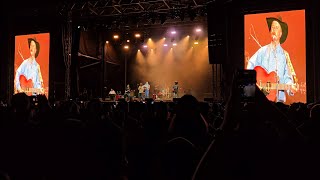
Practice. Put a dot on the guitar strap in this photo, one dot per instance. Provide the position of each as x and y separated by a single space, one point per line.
293 73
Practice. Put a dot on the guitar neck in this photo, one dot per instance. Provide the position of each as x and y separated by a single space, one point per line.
274 86
33 90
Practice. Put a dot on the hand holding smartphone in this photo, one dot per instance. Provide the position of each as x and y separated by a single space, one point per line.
246 83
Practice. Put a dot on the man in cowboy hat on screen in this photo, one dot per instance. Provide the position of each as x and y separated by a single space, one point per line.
28 76
273 58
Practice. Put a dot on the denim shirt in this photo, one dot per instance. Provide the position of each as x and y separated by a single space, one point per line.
273 60
30 71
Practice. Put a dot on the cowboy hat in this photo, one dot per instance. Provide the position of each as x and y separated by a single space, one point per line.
37 45
284 27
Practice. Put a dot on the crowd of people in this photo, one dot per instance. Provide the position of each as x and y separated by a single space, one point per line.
186 139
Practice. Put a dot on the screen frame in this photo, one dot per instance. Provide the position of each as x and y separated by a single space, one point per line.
47 55
283 7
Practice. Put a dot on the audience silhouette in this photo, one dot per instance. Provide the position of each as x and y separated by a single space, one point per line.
159 140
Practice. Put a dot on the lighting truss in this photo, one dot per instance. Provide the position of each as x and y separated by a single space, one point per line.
129 7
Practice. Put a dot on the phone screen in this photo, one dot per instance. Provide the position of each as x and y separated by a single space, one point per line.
247 85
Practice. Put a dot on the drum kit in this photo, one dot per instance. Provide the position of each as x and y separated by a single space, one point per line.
162 93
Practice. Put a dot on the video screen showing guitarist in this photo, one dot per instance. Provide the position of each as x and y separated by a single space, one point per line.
275 73
28 76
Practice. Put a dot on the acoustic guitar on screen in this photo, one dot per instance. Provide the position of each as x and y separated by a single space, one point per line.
27 86
267 82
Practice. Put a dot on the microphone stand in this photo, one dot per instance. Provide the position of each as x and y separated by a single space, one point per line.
277 77
254 37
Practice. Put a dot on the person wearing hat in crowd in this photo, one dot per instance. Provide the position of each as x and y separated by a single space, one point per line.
175 89
28 76
273 58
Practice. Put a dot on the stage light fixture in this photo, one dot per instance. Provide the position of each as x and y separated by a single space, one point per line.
192 17
174 44
107 42
163 18
151 16
172 13
128 40
145 46
153 20
196 42
198 30
137 35
135 20
115 36
173 32
126 47
181 15
125 19
191 13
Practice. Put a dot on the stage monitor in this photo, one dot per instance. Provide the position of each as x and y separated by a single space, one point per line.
31 64
275 46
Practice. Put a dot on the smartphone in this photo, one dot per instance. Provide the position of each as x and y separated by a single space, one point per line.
246 82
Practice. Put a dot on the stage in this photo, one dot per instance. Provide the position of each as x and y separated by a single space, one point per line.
160 53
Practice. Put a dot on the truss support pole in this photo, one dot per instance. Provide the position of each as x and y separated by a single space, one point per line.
66 43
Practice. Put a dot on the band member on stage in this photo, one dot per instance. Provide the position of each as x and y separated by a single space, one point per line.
28 75
175 89
112 94
127 92
141 91
146 89
136 90
273 58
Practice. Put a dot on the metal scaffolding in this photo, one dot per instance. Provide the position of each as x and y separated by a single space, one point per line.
67 45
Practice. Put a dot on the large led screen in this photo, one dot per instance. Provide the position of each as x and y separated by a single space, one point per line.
31 64
275 46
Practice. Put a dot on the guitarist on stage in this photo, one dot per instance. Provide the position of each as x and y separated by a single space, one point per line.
272 58
146 87
175 89
28 75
